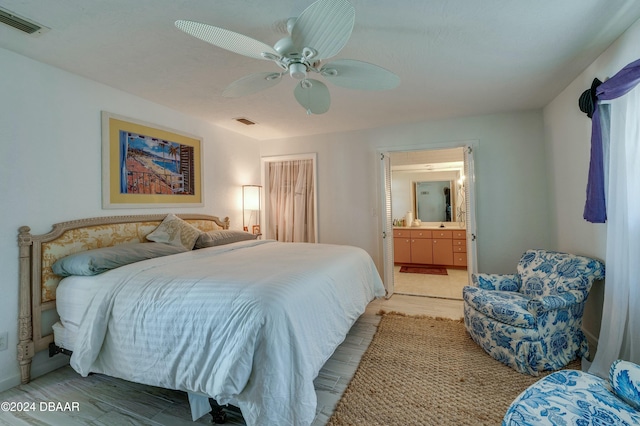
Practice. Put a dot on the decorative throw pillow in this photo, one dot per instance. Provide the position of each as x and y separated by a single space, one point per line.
221 237
175 231
97 261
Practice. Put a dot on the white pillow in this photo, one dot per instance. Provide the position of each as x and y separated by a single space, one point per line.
175 231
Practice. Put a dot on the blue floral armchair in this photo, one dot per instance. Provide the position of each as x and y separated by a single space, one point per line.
532 320
571 397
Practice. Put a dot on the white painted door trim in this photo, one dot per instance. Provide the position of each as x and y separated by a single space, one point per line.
387 223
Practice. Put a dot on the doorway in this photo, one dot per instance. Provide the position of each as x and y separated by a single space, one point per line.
441 180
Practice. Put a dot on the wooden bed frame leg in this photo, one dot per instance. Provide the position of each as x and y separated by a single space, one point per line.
217 412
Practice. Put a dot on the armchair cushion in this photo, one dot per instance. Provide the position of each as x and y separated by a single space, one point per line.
507 307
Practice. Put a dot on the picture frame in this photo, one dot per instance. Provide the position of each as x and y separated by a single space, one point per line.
256 230
148 166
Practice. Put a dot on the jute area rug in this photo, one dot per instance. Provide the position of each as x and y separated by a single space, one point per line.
427 371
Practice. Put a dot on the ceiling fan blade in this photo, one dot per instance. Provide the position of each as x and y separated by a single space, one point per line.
324 26
226 39
360 75
315 98
251 84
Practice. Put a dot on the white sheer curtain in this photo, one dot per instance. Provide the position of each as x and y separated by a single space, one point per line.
620 328
290 208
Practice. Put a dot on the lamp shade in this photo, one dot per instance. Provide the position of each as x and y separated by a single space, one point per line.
251 203
251 197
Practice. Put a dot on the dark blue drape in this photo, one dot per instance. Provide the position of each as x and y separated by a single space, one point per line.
595 209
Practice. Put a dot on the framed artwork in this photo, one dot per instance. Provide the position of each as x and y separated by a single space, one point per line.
256 229
145 165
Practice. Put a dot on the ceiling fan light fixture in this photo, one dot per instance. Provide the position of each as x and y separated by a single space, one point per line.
298 71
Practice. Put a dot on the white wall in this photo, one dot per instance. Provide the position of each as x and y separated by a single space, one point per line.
50 167
568 141
512 207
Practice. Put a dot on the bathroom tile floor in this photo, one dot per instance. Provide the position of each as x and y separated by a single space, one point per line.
439 286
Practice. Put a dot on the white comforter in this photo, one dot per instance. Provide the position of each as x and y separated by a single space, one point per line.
249 324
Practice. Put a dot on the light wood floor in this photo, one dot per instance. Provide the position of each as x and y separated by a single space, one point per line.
103 400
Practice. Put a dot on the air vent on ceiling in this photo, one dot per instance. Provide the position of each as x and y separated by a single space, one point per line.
245 121
21 23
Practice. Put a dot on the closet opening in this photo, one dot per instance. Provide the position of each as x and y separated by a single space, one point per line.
290 213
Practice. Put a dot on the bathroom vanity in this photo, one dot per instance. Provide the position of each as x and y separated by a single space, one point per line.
430 246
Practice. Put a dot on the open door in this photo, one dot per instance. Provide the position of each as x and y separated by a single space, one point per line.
469 187
387 224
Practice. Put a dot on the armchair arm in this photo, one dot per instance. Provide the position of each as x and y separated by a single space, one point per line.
625 381
502 282
555 302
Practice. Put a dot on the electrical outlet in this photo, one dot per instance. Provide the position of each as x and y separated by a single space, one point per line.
4 340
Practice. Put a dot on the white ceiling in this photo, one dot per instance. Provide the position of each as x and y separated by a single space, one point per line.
454 57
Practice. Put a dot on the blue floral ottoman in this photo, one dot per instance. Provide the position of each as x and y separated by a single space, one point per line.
570 397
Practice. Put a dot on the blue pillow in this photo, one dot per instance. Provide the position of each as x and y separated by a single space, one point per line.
97 261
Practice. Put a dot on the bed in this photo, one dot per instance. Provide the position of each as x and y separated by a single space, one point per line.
248 323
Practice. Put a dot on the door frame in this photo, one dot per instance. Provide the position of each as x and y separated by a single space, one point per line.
384 225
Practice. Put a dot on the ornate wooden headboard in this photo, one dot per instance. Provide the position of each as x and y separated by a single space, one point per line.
39 252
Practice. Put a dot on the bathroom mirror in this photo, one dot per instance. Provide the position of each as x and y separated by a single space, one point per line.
434 200
439 165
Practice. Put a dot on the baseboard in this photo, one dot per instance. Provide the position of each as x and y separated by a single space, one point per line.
10 382
593 344
40 366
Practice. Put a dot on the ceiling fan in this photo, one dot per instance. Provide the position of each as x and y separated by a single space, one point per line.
319 33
